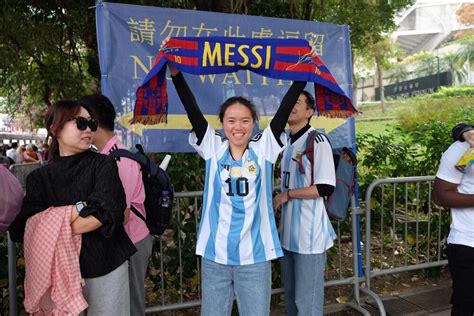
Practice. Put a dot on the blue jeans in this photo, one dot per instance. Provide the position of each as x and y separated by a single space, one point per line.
251 284
303 280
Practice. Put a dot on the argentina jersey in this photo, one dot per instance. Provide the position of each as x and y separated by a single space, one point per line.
237 224
305 225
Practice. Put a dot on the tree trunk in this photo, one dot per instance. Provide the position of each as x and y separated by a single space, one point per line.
293 11
380 82
354 81
308 14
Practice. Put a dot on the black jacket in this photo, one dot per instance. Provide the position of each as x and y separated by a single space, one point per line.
89 177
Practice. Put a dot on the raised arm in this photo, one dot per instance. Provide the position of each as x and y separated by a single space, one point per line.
186 96
280 119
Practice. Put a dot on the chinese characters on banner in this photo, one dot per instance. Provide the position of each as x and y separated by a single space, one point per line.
130 36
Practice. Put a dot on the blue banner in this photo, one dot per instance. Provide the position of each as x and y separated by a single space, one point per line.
129 37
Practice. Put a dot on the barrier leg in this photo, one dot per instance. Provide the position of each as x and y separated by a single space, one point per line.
12 297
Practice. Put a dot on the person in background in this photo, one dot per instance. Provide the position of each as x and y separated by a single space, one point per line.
306 231
455 189
129 171
43 151
11 197
13 154
4 159
21 151
30 155
75 175
464 132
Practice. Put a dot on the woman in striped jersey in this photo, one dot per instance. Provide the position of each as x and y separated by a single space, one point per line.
237 236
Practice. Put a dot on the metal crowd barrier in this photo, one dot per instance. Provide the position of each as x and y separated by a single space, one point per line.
21 171
188 205
409 237
411 228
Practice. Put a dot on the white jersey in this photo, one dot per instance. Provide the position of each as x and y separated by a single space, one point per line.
237 224
305 225
462 224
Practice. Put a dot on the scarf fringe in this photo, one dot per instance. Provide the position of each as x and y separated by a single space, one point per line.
150 119
337 114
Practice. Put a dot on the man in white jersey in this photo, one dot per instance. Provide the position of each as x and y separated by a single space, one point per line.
455 189
306 231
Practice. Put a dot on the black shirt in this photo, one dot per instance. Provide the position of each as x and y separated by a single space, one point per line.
89 177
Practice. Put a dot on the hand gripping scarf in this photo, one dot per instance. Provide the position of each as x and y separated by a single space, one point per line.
288 59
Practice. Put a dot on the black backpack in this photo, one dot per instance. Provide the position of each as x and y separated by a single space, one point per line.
345 163
159 192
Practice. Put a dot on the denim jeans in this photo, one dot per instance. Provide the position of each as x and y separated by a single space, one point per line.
303 280
251 285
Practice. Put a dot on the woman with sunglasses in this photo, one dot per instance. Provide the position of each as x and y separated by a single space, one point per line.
77 176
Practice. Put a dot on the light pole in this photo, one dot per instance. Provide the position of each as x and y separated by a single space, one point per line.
437 74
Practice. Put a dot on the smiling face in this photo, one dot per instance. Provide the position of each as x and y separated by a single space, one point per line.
71 140
238 125
300 113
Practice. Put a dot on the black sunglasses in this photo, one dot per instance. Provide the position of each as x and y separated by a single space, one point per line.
82 123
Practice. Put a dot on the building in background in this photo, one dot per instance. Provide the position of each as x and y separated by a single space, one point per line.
428 26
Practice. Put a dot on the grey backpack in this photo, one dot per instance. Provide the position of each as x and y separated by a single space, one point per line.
345 162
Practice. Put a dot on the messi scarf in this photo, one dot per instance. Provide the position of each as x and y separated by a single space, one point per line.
288 59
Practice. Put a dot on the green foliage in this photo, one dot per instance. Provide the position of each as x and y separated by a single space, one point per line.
49 64
367 20
415 145
418 57
466 53
398 73
451 109
186 170
459 91
61 59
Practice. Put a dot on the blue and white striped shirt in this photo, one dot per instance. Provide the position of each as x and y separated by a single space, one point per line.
237 222
305 225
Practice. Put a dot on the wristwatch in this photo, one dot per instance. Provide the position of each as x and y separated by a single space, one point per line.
79 206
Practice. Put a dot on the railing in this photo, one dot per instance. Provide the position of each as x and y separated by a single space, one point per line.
409 236
342 266
181 289
21 171
411 228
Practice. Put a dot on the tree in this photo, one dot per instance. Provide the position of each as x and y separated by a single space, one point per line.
466 53
42 53
427 65
48 48
465 16
398 72
377 54
380 53
452 63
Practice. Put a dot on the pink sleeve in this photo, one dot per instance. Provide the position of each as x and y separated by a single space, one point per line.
131 177
11 200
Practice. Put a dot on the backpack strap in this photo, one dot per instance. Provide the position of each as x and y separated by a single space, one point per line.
118 153
139 157
137 213
309 152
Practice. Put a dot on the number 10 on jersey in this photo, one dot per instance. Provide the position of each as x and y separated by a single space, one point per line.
237 186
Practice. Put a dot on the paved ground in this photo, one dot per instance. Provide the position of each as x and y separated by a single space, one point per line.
415 302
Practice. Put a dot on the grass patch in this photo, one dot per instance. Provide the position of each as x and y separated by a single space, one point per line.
374 127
